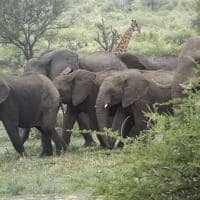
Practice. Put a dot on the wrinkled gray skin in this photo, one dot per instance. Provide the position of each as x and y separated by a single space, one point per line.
185 69
30 101
134 61
52 63
79 90
130 92
100 61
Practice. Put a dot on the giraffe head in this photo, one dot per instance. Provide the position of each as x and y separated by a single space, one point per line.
134 26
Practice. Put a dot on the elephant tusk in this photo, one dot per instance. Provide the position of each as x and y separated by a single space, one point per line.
116 143
187 86
121 131
123 124
160 84
106 105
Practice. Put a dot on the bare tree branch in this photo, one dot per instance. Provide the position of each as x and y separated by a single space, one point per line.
106 36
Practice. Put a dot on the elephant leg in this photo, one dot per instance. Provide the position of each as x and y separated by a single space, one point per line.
68 123
140 121
25 135
47 149
83 122
58 141
13 134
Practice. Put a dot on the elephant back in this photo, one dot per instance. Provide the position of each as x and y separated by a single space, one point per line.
134 61
161 77
100 61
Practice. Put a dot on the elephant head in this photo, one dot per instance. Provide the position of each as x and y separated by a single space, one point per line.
186 65
75 87
4 90
131 91
114 91
34 65
52 63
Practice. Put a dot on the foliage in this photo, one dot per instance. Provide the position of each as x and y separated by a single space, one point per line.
196 21
157 4
164 25
24 22
106 36
163 163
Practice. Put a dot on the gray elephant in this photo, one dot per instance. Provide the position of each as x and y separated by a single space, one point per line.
79 90
134 61
30 101
51 63
131 92
185 69
100 61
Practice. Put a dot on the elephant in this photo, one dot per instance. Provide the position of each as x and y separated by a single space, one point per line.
79 89
51 63
131 91
100 61
186 65
142 62
30 101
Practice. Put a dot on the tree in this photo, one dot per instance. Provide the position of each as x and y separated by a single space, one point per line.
106 36
196 21
24 22
154 4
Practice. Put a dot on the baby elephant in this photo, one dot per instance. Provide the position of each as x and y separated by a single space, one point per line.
30 101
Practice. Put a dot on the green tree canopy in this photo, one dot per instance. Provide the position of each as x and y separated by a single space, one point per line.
24 22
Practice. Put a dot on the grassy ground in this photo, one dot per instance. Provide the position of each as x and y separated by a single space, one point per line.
73 173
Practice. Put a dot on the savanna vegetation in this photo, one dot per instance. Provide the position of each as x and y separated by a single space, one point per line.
163 163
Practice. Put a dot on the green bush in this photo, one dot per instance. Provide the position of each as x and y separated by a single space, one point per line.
178 37
163 163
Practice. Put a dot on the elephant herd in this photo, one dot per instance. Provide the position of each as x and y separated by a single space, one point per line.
101 90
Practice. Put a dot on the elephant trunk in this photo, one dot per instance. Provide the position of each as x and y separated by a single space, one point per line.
183 73
102 112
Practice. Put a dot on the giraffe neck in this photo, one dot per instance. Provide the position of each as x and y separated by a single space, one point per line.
123 44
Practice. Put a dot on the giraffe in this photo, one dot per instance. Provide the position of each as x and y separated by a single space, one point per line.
123 44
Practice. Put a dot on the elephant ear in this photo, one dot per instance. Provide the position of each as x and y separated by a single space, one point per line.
4 90
66 71
134 89
82 86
